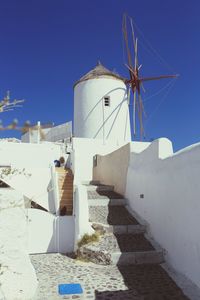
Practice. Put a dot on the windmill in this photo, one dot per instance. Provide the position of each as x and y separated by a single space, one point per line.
135 82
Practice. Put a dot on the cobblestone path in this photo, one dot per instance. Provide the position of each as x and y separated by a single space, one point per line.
119 281
143 282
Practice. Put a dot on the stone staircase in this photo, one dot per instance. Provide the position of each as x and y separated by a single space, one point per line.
65 185
122 240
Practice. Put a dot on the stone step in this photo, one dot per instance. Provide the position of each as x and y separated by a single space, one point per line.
100 187
92 182
65 179
122 249
106 202
138 258
66 192
119 229
105 198
111 215
66 189
65 184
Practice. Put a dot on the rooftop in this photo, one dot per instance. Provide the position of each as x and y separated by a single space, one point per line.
98 71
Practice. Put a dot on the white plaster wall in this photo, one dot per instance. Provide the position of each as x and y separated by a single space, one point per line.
81 213
59 132
17 276
32 174
82 156
112 168
48 233
33 136
34 183
94 120
29 155
171 206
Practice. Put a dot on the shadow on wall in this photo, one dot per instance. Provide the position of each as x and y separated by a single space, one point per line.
52 247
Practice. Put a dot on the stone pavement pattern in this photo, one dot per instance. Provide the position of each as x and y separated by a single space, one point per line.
142 282
120 246
109 281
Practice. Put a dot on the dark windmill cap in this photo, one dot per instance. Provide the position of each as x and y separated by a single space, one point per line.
98 71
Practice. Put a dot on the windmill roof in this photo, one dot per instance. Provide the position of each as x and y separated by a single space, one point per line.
98 71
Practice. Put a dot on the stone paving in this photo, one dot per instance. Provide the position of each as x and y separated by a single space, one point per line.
112 215
124 243
103 195
144 282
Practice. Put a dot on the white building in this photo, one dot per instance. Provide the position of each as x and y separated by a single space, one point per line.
51 134
160 186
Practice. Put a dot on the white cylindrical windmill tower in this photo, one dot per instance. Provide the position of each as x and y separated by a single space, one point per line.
101 108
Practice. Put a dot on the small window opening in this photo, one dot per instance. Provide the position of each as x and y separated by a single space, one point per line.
107 101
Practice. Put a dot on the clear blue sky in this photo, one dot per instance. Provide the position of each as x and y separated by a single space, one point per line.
46 45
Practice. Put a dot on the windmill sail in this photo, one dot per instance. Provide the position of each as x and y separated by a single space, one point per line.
135 82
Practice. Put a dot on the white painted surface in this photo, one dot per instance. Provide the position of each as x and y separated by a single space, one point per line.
83 153
54 191
94 120
171 206
29 155
34 136
17 276
112 168
53 134
34 183
31 164
49 233
81 213
59 132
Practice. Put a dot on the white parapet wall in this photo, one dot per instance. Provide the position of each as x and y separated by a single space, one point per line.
29 155
163 189
83 154
17 276
48 233
34 183
30 171
112 168
81 213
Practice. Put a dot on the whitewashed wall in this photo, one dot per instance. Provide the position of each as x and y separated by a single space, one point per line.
34 183
29 155
82 156
31 164
171 207
112 168
81 213
17 276
94 120
59 132
33 136
49 233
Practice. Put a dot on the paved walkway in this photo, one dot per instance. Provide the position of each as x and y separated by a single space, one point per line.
144 282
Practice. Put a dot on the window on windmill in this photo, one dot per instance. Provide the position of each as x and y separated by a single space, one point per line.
107 101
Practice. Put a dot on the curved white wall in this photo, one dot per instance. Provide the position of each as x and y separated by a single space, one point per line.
170 204
94 120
